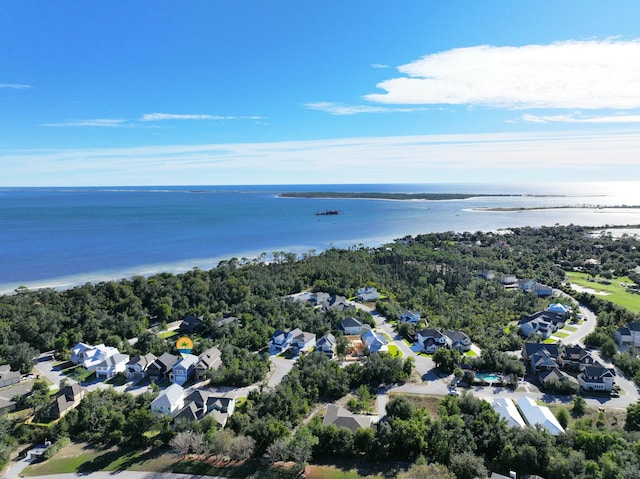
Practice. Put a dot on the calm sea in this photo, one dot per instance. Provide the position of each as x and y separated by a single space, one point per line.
58 237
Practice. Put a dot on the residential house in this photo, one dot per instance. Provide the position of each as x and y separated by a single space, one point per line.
169 401
182 370
159 369
458 340
112 365
535 414
487 274
96 355
375 342
629 335
326 302
77 352
137 367
561 309
526 284
66 399
409 317
596 378
209 359
508 410
327 345
509 281
430 340
200 403
191 324
367 294
7 376
221 408
543 323
542 290
220 322
302 341
353 326
280 341
540 356
554 375
575 358
340 417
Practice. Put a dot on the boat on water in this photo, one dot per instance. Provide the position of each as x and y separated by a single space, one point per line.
327 213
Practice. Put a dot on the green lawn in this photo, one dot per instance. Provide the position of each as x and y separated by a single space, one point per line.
330 472
570 328
470 353
167 334
617 293
394 351
80 458
558 334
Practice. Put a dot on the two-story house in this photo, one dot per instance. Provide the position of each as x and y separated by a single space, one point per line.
137 367
629 335
184 369
353 326
169 401
410 317
209 359
302 341
159 369
430 340
327 345
112 365
597 378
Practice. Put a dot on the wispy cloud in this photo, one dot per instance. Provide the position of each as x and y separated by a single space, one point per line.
99 122
342 109
407 159
15 86
379 65
581 119
172 116
570 74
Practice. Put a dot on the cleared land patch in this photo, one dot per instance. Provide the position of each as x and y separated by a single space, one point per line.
614 290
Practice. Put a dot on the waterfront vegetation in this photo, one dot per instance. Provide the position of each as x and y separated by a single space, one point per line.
435 274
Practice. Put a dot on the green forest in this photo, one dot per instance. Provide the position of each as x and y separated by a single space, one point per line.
435 274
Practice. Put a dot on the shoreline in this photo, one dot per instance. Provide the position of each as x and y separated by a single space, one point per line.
146 270
516 209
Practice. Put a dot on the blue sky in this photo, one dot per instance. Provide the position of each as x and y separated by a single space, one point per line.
154 92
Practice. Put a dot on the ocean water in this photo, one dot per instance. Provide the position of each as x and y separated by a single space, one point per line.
59 237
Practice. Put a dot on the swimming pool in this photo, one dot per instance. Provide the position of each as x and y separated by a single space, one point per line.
489 377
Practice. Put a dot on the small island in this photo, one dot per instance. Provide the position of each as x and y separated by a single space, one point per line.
394 196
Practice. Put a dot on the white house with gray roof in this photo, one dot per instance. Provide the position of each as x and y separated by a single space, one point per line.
170 401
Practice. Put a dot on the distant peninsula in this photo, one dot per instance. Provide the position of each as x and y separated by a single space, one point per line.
534 208
392 196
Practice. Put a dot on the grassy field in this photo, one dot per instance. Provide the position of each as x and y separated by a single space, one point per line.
83 458
614 292
331 472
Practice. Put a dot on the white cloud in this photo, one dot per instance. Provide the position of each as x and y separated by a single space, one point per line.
16 86
100 122
571 74
536 157
341 109
379 65
171 116
581 119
